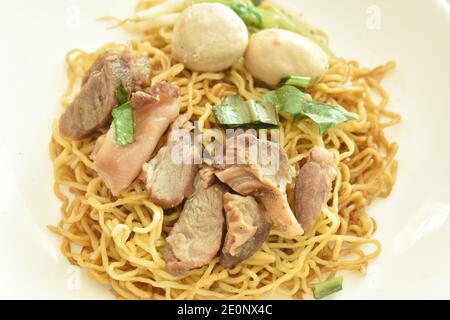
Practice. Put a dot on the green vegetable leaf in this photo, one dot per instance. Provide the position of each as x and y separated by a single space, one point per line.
326 288
296 81
275 18
248 14
287 99
236 113
123 124
291 100
326 115
121 93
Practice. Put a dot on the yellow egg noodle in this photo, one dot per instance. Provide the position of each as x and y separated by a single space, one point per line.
120 240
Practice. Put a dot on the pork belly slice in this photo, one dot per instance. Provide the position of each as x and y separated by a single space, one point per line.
248 226
266 186
196 237
313 186
169 176
154 110
91 108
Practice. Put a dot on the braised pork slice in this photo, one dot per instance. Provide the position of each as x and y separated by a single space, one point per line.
313 186
170 174
248 226
196 237
91 108
154 110
267 183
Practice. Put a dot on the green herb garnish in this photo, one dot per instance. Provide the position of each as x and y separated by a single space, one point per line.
326 288
291 100
326 115
296 81
287 99
123 120
121 93
236 113
123 124
248 13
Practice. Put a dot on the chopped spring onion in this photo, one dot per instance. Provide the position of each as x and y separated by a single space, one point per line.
326 115
291 100
236 113
121 93
123 121
123 124
326 288
296 81
248 14
287 99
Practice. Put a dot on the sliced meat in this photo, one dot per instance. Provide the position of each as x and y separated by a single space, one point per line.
153 111
248 226
196 237
170 174
249 181
266 183
91 108
313 186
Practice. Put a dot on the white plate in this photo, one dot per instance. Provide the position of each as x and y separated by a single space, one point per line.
414 223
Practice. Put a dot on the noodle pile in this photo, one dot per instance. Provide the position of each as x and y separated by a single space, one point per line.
120 240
